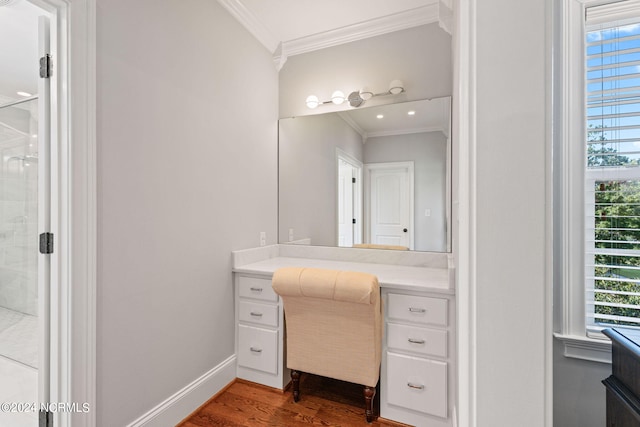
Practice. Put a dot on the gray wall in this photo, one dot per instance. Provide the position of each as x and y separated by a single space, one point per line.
186 126
419 56
428 151
579 398
307 178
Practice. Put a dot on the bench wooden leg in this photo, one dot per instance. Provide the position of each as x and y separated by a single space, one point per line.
295 378
369 394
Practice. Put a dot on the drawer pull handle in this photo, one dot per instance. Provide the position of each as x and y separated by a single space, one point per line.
256 289
417 387
417 310
414 341
253 313
255 350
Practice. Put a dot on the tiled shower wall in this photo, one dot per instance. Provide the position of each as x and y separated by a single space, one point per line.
19 208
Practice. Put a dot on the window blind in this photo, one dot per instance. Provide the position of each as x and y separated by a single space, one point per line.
612 178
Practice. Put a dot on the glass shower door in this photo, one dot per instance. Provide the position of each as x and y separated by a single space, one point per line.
19 258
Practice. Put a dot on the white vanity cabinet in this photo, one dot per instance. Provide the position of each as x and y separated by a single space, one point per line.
417 381
259 332
417 358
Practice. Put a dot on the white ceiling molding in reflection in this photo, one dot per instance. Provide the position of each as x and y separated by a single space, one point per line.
353 125
406 132
366 135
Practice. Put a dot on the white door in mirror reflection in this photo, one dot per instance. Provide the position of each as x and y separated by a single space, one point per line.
345 211
389 190
349 196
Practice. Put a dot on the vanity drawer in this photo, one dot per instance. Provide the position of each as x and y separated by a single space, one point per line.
252 287
255 312
417 384
420 340
425 310
258 348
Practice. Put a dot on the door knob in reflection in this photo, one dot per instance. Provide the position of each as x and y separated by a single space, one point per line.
404 229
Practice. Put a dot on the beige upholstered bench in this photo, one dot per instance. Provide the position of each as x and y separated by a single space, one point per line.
333 323
376 246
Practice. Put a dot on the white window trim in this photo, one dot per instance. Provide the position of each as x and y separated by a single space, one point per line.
579 341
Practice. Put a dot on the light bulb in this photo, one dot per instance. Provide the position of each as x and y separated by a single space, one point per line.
365 93
396 87
337 97
312 101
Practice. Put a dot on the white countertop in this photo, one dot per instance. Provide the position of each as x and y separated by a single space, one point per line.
438 280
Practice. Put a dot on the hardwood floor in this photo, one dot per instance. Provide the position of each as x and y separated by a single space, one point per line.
323 402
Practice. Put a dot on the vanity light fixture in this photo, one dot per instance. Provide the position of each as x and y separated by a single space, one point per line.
365 93
312 101
380 116
356 98
337 97
396 87
411 113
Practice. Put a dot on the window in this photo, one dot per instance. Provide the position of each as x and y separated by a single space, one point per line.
596 173
612 175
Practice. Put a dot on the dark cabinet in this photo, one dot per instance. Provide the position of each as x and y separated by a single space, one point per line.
623 386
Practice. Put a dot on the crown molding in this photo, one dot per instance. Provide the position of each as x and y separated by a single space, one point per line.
239 11
445 15
366 135
354 125
405 132
282 49
362 30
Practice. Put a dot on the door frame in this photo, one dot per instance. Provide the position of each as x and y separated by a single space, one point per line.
357 195
369 167
74 208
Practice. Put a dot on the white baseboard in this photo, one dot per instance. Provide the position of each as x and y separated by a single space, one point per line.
181 404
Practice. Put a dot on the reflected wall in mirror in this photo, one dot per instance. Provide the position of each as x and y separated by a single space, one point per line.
368 176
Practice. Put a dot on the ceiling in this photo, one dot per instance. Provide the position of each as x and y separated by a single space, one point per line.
18 49
429 116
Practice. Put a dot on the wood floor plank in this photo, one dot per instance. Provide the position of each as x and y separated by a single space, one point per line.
323 402
256 413
282 400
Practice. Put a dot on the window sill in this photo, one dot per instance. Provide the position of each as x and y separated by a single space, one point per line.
581 347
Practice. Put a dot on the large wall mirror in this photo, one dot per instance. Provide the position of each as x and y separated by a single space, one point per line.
368 177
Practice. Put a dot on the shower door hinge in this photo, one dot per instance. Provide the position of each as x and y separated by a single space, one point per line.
46 66
46 243
45 419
